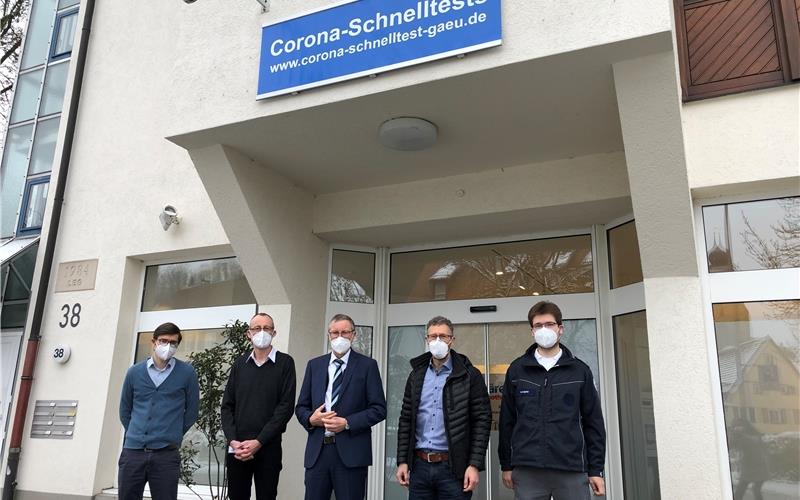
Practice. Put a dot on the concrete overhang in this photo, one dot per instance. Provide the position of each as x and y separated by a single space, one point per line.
541 110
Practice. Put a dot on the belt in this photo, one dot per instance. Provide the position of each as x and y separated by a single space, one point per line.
432 457
328 439
171 447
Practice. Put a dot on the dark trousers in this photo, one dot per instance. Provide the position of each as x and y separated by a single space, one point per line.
264 469
531 483
435 482
160 469
329 475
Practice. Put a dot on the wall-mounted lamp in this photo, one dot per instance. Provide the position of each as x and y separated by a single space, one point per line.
168 217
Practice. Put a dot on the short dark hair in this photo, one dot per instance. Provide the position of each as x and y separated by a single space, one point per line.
263 315
342 317
544 307
439 320
167 329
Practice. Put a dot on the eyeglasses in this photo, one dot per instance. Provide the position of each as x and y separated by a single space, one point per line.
538 326
343 333
446 337
259 329
162 341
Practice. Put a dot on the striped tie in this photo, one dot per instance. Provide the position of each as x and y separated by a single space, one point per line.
336 387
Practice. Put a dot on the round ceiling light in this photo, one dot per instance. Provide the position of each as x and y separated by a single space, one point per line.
407 134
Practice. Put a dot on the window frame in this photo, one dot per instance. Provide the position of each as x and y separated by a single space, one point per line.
734 287
60 16
26 198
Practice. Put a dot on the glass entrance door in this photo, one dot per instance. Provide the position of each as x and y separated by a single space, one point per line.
491 347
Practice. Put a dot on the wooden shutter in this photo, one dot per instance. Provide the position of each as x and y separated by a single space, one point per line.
734 45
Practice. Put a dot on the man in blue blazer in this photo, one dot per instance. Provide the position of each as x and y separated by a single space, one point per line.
341 399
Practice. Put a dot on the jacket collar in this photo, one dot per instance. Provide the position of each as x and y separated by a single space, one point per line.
460 362
529 359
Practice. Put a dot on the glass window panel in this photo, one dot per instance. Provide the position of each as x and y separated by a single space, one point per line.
26 96
204 283
508 341
635 393
55 84
37 201
753 235
25 262
13 315
38 34
44 146
353 277
15 288
12 176
623 254
65 34
516 269
758 348
62 4
193 341
405 343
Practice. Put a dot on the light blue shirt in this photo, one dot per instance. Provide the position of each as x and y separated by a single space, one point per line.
156 375
430 417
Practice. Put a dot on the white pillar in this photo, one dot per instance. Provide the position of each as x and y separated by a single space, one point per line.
689 451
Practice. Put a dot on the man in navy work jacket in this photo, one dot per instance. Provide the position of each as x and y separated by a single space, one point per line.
445 421
340 400
552 436
159 402
257 404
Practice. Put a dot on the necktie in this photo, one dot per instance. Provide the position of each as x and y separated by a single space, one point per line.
336 387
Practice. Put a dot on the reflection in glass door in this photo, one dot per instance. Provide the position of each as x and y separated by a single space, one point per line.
505 342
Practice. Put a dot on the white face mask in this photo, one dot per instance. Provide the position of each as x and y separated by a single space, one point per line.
261 340
340 345
545 337
438 348
165 352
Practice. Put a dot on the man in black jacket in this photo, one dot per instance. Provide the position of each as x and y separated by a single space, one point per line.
552 436
257 404
444 423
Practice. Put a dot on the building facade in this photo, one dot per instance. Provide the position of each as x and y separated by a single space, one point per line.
637 162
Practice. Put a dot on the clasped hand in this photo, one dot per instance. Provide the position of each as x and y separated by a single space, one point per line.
244 450
327 419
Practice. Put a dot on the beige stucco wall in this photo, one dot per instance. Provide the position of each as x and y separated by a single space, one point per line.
751 137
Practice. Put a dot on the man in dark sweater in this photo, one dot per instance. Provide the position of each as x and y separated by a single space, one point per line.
257 404
157 406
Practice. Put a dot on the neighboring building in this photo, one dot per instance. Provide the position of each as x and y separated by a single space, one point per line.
635 161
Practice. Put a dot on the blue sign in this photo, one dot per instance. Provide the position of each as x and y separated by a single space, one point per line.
363 37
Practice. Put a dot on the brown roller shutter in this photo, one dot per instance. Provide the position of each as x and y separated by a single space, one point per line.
733 45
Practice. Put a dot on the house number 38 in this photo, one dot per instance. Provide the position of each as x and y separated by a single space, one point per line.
70 315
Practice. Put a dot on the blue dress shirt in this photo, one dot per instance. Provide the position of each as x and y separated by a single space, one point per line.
157 375
430 418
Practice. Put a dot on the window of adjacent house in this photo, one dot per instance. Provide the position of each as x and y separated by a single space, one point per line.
63 34
44 146
55 85
37 35
12 176
753 235
26 96
33 204
758 351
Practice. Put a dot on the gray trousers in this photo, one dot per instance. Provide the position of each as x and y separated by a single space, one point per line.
532 483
